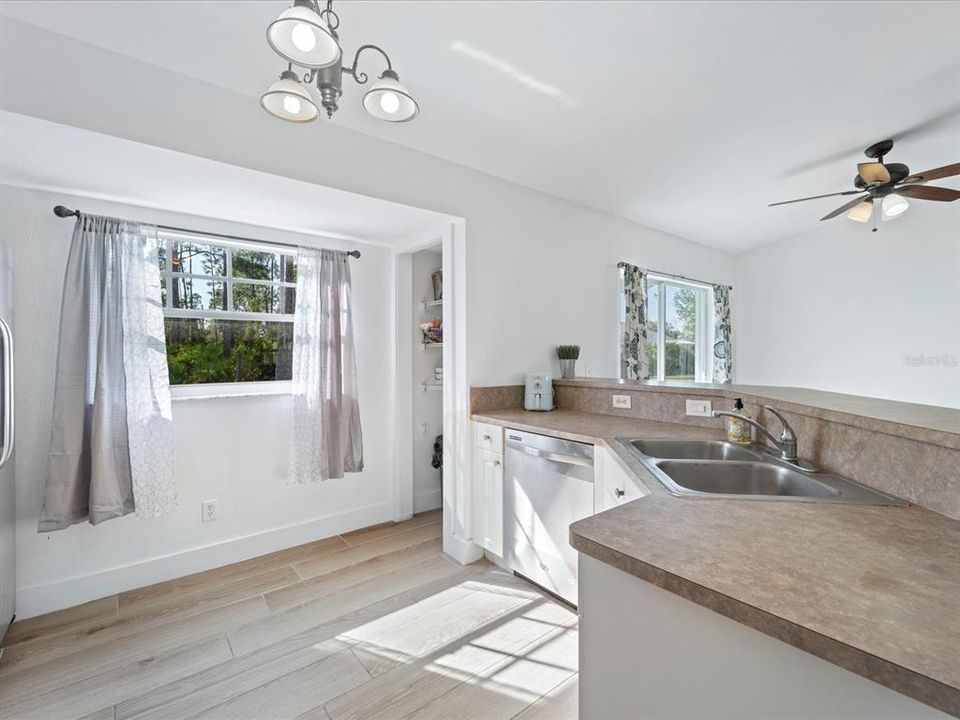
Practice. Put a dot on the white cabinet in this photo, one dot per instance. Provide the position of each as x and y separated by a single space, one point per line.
488 437
489 473
614 484
488 487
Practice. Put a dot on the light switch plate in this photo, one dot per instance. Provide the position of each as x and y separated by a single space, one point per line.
621 401
700 408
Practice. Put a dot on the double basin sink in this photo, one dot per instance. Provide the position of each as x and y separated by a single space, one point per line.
717 469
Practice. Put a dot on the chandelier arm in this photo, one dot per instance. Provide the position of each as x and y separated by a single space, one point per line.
328 14
359 76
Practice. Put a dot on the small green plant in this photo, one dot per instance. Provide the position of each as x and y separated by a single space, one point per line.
568 352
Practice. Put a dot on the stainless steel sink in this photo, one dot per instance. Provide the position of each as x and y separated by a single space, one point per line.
743 478
693 450
715 469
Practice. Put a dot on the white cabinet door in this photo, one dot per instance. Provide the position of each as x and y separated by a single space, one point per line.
618 486
489 473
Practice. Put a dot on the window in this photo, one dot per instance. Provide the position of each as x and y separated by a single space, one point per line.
228 310
681 310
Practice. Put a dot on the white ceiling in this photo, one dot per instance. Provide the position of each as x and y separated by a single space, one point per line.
44 155
688 117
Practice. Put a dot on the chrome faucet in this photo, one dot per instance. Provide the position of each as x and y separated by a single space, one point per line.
786 443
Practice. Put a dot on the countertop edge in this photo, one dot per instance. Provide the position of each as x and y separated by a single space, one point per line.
896 677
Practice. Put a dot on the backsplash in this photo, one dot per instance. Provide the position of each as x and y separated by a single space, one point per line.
914 463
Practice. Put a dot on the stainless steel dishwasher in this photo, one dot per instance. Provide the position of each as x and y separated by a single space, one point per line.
548 485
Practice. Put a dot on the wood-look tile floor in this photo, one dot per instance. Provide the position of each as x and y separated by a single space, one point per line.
377 623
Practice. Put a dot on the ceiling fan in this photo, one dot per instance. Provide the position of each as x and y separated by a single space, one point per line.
887 185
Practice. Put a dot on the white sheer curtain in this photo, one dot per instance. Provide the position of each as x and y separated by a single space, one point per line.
326 439
111 438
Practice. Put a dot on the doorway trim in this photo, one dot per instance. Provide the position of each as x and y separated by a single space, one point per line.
457 504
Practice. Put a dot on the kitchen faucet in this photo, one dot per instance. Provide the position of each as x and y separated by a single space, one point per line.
786 443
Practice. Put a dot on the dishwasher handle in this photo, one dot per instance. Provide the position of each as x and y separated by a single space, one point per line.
558 457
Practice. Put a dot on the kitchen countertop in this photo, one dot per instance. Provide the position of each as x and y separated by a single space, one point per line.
873 589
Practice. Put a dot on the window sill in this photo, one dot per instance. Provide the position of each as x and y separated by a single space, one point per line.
211 391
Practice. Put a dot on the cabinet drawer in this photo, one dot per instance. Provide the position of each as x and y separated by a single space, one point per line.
489 437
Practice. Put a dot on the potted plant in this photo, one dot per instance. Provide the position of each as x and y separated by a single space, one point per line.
568 354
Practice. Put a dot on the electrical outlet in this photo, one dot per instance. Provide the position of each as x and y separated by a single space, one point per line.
208 510
621 401
700 408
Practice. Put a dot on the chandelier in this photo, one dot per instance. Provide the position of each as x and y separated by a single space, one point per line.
306 36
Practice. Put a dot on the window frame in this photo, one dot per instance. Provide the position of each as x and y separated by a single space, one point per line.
703 357
165 239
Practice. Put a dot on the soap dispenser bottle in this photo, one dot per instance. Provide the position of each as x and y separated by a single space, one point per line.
739 431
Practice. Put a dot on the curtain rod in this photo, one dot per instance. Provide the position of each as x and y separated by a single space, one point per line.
64 212
679 277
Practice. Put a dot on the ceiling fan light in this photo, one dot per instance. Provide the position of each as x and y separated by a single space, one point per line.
892 206
873 173
389 99
861 213
288 100
301 36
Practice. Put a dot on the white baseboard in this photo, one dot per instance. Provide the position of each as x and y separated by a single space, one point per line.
41 599
430 500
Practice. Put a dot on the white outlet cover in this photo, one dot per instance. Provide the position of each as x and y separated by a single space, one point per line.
700 408
208 511
621 401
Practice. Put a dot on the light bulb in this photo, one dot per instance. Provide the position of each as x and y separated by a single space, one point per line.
893 205
861 213
389 102
291 103
303 38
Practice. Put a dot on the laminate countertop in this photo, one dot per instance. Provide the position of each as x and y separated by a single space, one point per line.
873 589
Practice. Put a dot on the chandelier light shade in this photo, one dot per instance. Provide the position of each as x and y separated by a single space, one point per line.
893 206
301 36
390 100
288 100
306 36
861 213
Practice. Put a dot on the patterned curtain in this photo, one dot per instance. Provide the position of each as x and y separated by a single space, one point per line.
722 349
634 364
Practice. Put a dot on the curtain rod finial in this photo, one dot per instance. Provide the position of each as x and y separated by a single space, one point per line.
61 211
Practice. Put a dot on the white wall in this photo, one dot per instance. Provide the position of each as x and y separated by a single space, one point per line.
839 308
231 449
540 270
427 406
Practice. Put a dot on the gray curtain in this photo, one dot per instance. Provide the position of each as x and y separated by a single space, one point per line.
111 438
326 439
722 349
634 363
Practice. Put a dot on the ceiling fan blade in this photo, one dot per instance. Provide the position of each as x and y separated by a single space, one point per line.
815 197
926 192
873 173
935 174
843 208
